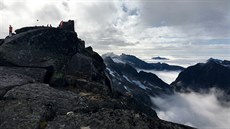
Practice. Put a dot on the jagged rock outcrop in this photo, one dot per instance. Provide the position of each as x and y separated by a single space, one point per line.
49 80
69 25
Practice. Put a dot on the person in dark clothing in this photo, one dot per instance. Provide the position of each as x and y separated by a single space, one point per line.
10 30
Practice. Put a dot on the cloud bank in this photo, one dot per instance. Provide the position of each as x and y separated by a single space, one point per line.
198 110
144 28
166 76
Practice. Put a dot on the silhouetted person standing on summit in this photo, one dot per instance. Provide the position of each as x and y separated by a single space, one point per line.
61 24
10 30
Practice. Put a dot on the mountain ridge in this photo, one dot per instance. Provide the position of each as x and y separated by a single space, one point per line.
141 85
203 76
138 63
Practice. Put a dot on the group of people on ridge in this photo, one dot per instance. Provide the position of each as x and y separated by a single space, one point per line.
11 28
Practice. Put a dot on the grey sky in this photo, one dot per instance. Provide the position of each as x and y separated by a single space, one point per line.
146 28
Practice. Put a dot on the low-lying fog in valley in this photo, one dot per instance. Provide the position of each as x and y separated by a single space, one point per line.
166 76
203 111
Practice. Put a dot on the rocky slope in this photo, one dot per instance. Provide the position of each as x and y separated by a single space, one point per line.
203 76
141 85
49 80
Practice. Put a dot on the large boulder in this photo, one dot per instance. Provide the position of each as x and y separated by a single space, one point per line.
41 47
58 50
38 74
11 77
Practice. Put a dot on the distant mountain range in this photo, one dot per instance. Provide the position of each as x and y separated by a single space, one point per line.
140 64
198 78
160 58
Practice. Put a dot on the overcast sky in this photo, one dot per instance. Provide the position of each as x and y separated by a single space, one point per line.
146 28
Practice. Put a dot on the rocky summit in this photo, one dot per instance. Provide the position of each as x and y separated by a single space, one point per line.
49 80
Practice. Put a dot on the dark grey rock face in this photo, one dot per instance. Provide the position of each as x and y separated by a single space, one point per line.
11 77
59 51
1 41
38 74
41 47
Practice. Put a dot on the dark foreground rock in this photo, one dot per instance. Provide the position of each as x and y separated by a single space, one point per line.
49 80
40 106
1 41
11 77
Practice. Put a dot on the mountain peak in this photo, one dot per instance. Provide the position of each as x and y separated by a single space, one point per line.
214 60
203 76
224 63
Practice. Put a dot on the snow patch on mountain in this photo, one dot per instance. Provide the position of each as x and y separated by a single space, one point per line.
138 83
126 78
117 60
111 72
